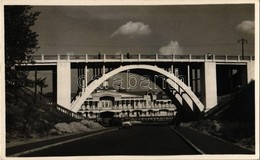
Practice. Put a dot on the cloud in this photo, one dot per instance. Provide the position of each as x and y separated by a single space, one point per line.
171 48
132 29
246 26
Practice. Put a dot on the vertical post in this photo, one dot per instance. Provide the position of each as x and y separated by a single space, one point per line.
104 70
86 58
58 56
156 57
139 57
78 75
213 57
172 69
86 76
205 57
173 57
122 57
189 57
188 75
42 57
104 57
176 72
82 78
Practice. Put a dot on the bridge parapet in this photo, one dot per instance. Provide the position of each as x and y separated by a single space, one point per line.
140 58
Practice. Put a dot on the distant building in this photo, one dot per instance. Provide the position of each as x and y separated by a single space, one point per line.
124 104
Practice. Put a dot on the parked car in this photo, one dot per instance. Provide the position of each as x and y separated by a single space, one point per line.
126 123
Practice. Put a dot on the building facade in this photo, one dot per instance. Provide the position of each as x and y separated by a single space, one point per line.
123 104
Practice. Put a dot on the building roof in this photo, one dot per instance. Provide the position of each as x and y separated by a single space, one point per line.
113 93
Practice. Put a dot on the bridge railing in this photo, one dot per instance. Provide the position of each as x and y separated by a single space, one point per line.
50 103
220 57
199 57
147 56
140 57
130 56
117 56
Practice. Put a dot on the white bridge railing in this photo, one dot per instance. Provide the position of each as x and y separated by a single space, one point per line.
139 58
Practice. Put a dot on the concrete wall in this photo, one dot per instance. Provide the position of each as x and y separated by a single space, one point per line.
64 84
210 85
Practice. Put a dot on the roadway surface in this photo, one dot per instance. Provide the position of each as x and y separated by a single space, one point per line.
143 140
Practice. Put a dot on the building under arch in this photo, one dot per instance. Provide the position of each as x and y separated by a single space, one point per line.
127 104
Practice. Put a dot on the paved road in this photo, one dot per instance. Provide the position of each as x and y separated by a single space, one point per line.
48 142
140 140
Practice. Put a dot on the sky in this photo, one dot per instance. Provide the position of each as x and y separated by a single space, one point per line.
166 29
169 29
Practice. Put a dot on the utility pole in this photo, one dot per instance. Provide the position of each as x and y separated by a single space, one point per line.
243 41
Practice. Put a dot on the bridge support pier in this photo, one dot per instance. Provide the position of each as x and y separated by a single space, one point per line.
63 84
210 79
250 71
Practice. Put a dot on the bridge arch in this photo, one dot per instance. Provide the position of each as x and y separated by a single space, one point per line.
177 85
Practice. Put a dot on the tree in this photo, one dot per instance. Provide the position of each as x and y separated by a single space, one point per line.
20 42
41 82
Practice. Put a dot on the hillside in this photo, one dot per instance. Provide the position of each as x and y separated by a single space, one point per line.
233 119
239 106
28 119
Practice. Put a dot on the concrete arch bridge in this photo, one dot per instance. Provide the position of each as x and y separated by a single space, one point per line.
192 82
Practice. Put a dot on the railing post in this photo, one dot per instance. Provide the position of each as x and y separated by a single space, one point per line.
238 58
139 57
68 57
173 57
104 57
189 57
226 58
122 57
213 57
58 56
205 57
42 57
156 57
86 58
